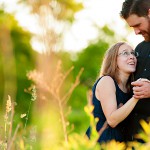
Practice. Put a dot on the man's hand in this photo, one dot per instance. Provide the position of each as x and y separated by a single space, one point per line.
141 88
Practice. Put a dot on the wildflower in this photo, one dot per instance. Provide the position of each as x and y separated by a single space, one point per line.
8 105
23 115
34 96
88 109
113 145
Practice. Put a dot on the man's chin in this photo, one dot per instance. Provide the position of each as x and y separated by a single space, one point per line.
147 39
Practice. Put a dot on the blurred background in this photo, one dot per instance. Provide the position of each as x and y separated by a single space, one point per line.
50 56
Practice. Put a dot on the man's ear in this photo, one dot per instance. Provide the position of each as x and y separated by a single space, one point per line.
149 12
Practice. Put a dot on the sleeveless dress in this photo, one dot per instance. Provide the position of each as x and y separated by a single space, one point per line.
119 132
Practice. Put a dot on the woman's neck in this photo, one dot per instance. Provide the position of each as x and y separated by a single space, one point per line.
123 82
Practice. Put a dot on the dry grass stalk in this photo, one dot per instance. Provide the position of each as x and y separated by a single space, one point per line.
13 138
77 81
54 88
8 123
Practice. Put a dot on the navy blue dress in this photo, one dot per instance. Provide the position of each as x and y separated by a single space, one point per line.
119 132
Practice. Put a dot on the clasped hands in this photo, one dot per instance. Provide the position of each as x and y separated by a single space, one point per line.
141 88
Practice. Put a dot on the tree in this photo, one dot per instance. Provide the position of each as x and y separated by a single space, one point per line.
16 59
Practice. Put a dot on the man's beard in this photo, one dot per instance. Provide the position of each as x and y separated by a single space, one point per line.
147 38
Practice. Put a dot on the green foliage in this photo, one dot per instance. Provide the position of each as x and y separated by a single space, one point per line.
25 59
16 59
107 31
78 102
90 59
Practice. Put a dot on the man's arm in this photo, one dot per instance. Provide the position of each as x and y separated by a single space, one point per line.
141 88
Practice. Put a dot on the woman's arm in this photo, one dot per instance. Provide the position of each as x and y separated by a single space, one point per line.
106 93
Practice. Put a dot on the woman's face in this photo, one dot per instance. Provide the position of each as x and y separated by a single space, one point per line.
126 59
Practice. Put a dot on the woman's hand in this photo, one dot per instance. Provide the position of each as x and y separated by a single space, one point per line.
141 88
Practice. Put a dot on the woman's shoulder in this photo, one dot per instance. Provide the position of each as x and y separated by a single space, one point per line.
106 78
105 88
106 81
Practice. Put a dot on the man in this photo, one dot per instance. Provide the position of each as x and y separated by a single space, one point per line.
137 15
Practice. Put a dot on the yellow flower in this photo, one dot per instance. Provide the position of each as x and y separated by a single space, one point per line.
113 145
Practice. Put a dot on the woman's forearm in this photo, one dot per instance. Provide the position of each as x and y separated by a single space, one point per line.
121 113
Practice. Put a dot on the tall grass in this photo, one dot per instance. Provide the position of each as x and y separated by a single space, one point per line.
13 137
26 137
55 88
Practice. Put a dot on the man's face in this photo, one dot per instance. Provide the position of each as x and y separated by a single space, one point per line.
141 25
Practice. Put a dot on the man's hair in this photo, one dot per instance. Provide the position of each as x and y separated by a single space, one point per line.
137 7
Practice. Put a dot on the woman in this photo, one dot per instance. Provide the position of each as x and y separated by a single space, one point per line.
111 93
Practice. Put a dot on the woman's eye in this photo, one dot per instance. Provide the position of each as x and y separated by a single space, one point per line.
133 53
125 53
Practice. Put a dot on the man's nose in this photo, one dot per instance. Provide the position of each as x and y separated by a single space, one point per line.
137 31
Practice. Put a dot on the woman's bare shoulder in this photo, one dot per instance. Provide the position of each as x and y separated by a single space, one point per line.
106 82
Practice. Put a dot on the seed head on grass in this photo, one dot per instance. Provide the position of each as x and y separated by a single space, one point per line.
8 105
